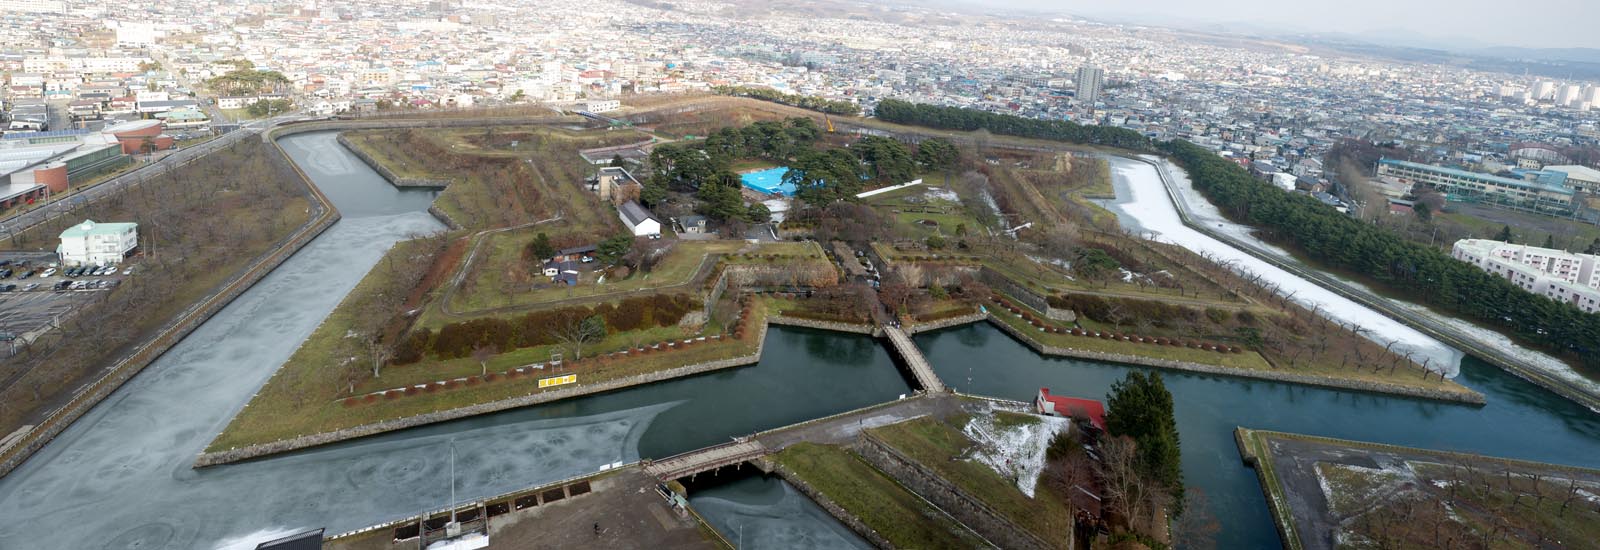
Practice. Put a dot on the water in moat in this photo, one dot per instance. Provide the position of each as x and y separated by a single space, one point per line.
757 511
1521 420
121 476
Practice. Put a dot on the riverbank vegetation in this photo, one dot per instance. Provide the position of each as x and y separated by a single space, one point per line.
200 225
1419 272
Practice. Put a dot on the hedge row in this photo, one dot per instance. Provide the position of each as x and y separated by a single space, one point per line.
539 328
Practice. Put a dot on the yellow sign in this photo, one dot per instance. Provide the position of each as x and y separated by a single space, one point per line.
558 380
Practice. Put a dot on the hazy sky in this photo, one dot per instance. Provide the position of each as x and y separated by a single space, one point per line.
1530 23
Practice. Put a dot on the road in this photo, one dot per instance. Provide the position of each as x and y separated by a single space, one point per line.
23 221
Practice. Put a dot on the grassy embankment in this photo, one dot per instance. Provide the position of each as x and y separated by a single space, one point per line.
939 446
903 518
309 393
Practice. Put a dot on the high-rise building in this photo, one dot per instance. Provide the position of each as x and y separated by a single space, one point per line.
1568 95
1543 90
1090 80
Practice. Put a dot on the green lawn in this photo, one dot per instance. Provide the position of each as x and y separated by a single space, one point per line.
1532 229
903 518
939 446
502 281
306 397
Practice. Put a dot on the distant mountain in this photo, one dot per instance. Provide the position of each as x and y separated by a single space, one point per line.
1579 55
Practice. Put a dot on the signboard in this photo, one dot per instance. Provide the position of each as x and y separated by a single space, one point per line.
558 380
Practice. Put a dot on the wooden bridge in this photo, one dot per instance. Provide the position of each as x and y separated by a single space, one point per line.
913 356
704 460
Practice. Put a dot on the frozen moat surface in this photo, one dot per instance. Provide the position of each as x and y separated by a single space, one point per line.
763 512
1143 205
121 476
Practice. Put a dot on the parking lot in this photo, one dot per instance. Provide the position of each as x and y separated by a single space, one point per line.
29 305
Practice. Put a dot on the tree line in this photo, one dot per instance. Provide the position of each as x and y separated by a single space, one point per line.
830 106
1420 272
821 176
958 118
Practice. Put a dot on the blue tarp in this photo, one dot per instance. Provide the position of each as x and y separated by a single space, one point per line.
768 181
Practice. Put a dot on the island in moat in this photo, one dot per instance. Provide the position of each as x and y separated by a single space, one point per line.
583 261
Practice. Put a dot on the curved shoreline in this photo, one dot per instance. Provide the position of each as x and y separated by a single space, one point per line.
153 349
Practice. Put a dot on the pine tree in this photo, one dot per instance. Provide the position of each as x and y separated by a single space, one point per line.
1140 407
1505 234
1594 247
1549 241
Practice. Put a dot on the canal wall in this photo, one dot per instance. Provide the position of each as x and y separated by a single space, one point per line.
964 507
838 512
1022 293
1440 331
836 326
1465 396
388 174
324 216
918 328
264 449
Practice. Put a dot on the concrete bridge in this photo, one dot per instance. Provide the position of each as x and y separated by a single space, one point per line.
914 359
705 460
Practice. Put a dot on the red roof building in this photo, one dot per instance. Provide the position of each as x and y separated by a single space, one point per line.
1071 407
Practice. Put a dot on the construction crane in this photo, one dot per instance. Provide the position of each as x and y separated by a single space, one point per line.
825 118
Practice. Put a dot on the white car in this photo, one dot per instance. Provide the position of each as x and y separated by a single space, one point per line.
128 271
47 273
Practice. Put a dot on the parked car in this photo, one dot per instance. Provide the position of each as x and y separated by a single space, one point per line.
25 274
63 285
30 287
47 273
128 270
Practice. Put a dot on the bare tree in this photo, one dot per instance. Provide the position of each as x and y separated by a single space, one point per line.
482 354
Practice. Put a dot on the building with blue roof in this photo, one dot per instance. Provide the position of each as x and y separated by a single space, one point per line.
1542 191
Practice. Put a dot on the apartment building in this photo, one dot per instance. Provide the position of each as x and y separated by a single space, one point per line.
1556 274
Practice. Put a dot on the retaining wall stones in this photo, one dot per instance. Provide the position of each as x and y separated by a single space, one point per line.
854 328
912 330
838 512
952 499
302 442
1465 396
388 174
1027 296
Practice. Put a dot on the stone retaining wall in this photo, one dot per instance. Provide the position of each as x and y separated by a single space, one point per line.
1020 292
302 442
1466 396
388 174
912 330
838 512
836 326
953 500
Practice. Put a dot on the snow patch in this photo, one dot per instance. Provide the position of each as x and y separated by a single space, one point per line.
1016 452
250 541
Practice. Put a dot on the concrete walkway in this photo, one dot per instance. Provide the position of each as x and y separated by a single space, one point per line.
914 359
709 458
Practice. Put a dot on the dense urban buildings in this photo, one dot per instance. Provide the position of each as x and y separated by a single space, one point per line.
1559 275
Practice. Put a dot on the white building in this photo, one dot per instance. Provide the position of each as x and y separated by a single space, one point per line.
91 243
638 220
1582 177
602 105
1559 275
